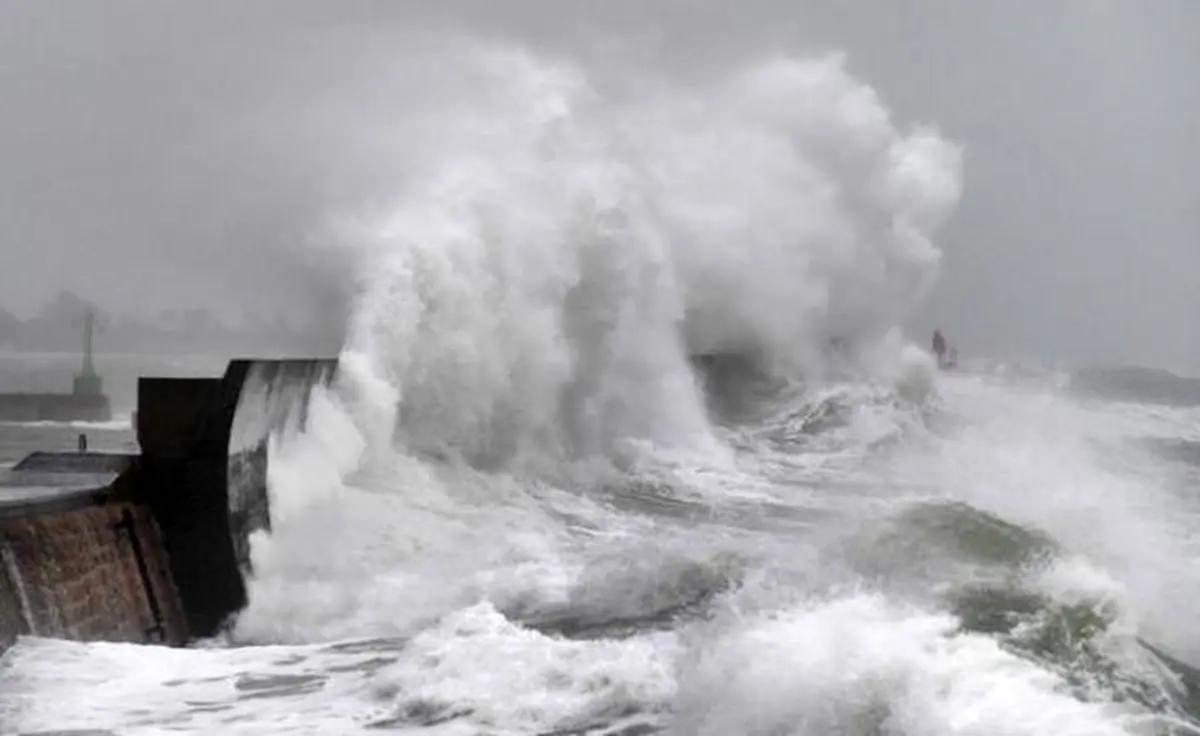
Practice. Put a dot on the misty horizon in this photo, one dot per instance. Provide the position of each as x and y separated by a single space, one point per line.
58 327
206 157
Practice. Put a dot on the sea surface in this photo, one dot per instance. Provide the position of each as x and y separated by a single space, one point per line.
625 439
995 559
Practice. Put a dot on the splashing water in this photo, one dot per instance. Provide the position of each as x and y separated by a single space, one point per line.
625 439
536 299
564 254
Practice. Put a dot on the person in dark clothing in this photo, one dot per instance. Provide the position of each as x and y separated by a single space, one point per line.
939 348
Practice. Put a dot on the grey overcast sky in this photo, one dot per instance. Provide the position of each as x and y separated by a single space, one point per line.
157 153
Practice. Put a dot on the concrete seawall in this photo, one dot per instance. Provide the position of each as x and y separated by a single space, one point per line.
150 547
89 565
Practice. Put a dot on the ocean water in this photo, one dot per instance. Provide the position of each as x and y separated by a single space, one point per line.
526 505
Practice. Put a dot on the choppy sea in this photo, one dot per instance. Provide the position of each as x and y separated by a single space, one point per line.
523 509
1007 556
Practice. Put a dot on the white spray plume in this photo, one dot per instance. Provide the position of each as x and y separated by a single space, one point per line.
565 246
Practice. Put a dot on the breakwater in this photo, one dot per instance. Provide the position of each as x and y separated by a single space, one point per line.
150 547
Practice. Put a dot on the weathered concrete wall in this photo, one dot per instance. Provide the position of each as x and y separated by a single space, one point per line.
204 472
274 397
153 548
76 574
182 478
11 622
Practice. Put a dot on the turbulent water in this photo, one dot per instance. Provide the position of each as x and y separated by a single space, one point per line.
529 506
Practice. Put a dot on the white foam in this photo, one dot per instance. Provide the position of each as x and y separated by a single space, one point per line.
473 664
518 681
531 305
864 665
54 685
1036 457
118 424
557 262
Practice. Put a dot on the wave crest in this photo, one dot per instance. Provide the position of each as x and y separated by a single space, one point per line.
571 243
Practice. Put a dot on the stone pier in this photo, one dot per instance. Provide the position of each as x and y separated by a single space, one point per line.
152 547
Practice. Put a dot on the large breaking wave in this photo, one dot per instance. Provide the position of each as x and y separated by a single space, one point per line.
565 246
532 299
626 439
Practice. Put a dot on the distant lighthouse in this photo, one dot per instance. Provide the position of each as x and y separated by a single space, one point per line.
88 382
86 402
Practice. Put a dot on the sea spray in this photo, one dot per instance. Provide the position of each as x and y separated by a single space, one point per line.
565 252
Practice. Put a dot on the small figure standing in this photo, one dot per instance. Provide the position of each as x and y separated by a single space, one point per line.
939 348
